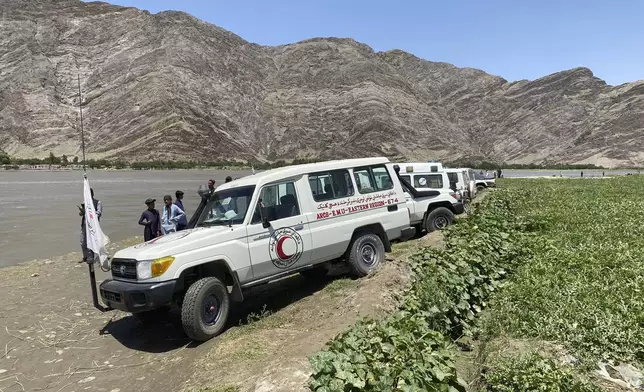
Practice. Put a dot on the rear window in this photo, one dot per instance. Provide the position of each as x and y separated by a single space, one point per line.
434 181
330 185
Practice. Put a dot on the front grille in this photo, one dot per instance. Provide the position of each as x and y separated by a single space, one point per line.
124 268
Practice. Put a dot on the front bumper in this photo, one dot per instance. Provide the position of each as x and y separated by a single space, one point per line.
458 208
136 297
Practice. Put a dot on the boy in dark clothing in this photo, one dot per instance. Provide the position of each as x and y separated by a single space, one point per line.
151 220
183 222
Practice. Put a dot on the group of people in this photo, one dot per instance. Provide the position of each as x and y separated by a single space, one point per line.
171 218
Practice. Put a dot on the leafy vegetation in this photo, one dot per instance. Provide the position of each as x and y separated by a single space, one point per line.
575 252
532 372
4 157
585 288
487 165
410 350
147 165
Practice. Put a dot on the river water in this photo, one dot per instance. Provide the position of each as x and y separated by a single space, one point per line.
39 214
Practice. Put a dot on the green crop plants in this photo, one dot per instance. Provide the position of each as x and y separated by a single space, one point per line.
532 372
585 288
411 350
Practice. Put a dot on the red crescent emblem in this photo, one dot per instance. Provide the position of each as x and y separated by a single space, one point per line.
285 247
280 248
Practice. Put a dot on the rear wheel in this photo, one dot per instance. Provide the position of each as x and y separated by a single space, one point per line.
205 309
366 253
438 219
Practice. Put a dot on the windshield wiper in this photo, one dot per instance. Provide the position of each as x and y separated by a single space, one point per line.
213 223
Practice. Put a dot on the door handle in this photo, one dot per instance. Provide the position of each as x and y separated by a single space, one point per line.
298 228
261 237
392 208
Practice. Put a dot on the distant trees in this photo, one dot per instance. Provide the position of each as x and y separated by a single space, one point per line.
5 159
75 160
487 165
63 160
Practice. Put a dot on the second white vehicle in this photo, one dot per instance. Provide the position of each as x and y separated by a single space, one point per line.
432 206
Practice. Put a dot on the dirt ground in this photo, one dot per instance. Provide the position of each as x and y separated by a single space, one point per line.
52 339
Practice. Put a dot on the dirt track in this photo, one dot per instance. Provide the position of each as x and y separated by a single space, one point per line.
52 339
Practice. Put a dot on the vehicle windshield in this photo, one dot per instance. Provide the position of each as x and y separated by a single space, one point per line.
227 207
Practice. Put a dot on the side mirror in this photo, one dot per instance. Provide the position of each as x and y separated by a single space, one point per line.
265 223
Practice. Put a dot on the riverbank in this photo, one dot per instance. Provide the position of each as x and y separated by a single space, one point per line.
56 341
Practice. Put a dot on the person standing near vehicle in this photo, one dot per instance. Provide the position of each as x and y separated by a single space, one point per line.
151 220
170 216
183 222
98 207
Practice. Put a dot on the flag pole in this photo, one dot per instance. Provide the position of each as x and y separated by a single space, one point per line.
92 271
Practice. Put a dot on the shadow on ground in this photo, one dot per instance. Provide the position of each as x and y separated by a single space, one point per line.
167 334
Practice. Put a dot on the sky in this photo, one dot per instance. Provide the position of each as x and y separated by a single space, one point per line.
513 39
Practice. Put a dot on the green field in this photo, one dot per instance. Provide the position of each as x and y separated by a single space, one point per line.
542 283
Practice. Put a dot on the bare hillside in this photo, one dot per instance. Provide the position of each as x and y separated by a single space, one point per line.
171 86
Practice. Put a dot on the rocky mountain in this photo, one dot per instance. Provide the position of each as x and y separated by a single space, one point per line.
169 86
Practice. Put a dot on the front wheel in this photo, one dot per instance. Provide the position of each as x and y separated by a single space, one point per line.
366 253
205 309
438 219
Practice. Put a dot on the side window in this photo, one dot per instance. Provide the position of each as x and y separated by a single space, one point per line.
434 181
406 178
330 185
280 201
383 179
372 179
453 177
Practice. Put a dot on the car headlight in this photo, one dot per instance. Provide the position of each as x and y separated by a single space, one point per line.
152 268
143 270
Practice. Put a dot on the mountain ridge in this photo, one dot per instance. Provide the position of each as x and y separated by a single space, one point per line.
170 86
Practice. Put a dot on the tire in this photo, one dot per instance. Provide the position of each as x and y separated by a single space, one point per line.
366 253
317 272
480 188
201 323
438 219
152 316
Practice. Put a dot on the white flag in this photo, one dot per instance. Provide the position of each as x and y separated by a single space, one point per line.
96 240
